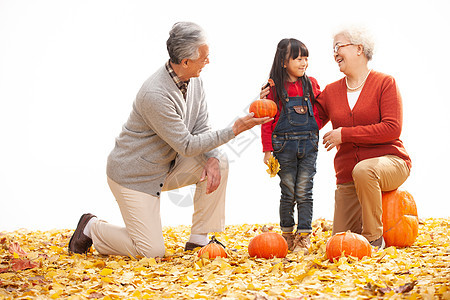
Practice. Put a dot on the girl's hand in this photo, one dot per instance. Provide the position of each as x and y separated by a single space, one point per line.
267 155
264 92
332 138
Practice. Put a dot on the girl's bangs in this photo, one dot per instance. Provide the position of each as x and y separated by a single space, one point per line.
298 49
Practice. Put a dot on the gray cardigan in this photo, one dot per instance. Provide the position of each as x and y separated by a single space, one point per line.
161 125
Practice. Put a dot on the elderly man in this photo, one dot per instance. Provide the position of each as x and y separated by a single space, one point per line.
165 144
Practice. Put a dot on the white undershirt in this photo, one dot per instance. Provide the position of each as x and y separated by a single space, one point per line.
352 98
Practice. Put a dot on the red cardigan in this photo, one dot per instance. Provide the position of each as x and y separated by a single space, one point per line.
293 89
371 129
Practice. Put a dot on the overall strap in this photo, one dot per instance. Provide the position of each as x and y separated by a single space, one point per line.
306 84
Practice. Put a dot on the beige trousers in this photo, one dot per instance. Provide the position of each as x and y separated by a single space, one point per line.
142 234
358 205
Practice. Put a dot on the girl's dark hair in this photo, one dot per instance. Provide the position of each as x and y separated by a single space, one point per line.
287 49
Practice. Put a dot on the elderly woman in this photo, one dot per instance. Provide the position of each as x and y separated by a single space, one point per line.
365 109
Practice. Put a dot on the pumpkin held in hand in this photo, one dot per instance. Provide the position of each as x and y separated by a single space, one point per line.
213 249
263 108
348 244
400 220
268 245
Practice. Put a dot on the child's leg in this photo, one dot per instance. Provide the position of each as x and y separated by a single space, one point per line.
304 191
288 172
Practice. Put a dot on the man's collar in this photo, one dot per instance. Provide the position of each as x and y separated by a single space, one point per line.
182 85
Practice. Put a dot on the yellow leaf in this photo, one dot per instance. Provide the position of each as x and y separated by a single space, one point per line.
222 290
136 294
200 296
107 280
56 295
99 264
51 274
106 272
147 261
139 269
276 268
57 249
273 165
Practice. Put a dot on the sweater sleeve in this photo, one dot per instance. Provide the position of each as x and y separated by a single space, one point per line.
322 110
316 91
390 111
159 112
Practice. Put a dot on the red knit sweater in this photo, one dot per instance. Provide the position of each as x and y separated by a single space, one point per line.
293 89
371 129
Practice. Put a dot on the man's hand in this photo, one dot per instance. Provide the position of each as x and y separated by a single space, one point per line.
247 122
211 173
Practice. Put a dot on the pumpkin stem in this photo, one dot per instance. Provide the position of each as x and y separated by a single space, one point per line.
214 240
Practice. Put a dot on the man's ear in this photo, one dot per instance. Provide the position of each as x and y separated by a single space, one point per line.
184 62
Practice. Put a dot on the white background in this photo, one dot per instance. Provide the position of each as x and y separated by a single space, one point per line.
69 72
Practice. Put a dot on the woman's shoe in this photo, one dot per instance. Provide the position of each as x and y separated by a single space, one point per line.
379 243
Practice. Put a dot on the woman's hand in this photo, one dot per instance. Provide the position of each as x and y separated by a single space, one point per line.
247 122
264 92
267 155
332 138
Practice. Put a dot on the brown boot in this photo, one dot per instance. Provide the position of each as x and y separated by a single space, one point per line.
302 242
289 237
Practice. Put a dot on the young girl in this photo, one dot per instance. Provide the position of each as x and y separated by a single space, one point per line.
293 138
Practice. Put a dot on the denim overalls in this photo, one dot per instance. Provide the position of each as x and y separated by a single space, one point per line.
295 145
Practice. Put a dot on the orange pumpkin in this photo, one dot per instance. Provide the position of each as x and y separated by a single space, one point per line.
213 249
268 245
400 220
263 108
348 244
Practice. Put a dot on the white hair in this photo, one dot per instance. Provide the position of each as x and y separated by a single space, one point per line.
359 35
184 40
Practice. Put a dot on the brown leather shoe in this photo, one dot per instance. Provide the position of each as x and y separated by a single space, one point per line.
79 242
191 246
302 242
289 237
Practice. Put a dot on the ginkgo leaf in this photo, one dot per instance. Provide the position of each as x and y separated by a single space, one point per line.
274 166
37 265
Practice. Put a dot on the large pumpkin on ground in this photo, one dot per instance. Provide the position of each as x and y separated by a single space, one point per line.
348 244
400 220
268 245
263 108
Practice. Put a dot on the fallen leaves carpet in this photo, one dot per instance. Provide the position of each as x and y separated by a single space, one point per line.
37 265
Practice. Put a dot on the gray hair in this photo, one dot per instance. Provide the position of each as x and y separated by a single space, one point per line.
359 35
184 40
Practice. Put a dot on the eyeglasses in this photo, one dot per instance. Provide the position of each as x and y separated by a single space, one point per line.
337 47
